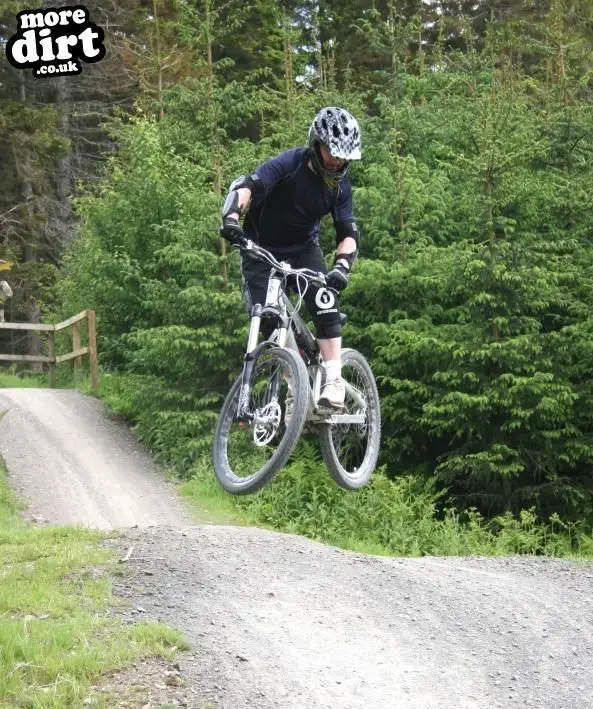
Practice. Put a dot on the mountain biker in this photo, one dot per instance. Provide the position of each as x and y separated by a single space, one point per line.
283 202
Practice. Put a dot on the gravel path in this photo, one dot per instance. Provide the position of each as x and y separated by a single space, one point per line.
73 465
278 621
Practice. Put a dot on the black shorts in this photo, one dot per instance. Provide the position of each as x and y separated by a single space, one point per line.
323 305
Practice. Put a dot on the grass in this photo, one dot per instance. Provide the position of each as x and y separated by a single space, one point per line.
65 379
56 638
211 503
9 380
402 517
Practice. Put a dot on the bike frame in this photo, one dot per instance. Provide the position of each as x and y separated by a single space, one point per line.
289 325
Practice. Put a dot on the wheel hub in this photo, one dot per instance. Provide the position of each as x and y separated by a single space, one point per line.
267 422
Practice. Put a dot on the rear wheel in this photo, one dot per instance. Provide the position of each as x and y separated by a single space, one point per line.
248 454
350 446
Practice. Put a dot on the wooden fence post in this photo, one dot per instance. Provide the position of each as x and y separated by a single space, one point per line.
93 351
77 362
52 359
51 352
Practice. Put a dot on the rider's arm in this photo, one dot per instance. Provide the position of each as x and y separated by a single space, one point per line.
346 246
239 196
258 184
244 197
347 236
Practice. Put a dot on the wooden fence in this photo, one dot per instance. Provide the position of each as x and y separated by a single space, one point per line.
51 359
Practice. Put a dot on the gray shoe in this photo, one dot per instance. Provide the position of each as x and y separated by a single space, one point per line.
333 394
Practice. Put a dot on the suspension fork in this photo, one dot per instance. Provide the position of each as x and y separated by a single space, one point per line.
251 355
243 413
276 308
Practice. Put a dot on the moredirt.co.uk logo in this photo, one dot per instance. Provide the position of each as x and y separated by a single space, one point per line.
53 41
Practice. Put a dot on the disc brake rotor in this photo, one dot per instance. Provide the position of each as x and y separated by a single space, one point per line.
267 423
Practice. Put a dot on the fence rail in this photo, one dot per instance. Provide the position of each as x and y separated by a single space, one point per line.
51 358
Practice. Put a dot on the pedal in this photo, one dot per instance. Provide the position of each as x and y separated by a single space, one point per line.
324 412
331 415
328 410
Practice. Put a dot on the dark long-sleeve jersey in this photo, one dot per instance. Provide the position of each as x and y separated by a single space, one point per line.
287 216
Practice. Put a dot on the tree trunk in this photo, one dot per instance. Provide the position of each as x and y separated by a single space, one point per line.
64 227
491 235
216 160
158 61
30 251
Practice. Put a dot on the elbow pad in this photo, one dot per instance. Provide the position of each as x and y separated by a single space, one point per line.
251 182
231 203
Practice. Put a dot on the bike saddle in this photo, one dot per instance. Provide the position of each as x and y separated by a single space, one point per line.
343 319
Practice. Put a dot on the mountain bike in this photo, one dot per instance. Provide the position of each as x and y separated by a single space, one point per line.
257 432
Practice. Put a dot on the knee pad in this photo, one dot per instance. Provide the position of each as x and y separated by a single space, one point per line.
325 311
327 324
327 331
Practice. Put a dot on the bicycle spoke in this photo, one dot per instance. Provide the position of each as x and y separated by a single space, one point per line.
251 444
350 440
249 452
350 447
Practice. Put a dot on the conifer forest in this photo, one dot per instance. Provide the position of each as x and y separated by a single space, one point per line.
472 296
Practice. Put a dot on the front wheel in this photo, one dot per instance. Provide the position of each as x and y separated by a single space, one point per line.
350 445
248 453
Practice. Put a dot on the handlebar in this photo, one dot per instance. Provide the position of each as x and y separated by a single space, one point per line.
282 266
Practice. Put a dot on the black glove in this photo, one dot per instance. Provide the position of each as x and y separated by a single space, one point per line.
337 278
232 231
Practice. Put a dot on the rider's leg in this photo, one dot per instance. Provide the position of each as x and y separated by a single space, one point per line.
331 349
333 392
325 311
331 352
255 280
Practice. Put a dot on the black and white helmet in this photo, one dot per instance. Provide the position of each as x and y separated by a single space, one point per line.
337 129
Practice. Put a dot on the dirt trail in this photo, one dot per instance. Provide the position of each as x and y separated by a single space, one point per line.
277 621
73 465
